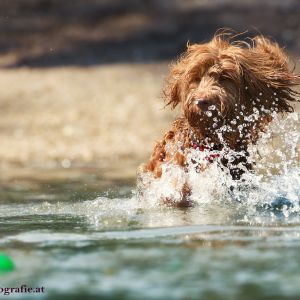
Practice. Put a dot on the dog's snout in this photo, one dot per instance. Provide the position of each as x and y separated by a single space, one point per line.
202 103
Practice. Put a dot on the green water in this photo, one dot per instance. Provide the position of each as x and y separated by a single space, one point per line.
89 237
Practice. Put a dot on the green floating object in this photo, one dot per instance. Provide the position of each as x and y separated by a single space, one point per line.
6 263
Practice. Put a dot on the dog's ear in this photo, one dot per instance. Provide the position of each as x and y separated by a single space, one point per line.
274 58
266 72
172 89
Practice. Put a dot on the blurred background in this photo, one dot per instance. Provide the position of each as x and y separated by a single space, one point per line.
80 80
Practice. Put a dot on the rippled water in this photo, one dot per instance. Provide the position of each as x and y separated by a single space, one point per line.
105 242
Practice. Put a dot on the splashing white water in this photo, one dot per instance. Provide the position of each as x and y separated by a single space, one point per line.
274 182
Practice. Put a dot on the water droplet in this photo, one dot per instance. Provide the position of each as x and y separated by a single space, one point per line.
209 113
66 163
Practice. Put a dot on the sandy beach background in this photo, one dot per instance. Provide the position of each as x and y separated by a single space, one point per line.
80 84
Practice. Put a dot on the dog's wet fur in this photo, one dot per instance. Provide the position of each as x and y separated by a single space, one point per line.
228 91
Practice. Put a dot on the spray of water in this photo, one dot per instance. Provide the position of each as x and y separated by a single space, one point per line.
274 184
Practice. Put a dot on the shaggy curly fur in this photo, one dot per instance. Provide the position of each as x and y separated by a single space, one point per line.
228 91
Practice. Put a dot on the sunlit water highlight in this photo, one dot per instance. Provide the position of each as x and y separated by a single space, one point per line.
230 245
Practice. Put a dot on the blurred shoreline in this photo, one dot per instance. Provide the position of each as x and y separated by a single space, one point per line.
80 117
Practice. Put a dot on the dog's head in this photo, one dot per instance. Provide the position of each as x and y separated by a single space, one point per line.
231 83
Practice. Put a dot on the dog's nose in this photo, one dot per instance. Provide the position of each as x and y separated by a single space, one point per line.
202 103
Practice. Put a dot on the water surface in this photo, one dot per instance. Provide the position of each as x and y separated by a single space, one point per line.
85 234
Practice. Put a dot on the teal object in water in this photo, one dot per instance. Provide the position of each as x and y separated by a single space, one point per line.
6 263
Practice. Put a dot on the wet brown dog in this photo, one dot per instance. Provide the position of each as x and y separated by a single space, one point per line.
228 91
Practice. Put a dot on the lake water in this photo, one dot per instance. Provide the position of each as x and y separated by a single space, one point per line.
94 238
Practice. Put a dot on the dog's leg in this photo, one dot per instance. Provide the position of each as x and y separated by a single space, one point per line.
168 156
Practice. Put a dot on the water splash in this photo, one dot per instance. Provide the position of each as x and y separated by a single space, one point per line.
274 184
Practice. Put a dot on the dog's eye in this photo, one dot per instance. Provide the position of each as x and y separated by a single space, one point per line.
224 78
